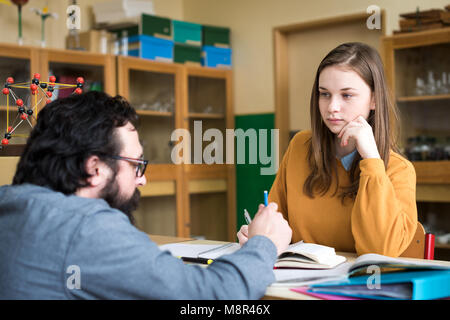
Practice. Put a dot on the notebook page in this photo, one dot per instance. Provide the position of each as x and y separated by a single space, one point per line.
209 251
220 251
299 277
187 250
317 252
377 259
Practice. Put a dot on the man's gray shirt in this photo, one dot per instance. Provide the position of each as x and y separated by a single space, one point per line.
54 246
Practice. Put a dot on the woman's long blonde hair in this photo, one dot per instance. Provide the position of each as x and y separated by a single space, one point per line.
366 62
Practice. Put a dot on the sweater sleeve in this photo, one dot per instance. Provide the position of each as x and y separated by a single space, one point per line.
384 215
116 261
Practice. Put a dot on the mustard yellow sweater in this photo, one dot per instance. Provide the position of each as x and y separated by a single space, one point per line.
382 219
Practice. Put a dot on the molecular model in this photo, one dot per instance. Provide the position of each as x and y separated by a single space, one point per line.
40 90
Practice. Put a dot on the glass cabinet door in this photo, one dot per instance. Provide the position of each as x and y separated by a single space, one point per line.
152 94
423 96
418 67
19 70
67 73
207 178
153 90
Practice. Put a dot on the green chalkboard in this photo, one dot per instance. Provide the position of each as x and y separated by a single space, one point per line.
250 183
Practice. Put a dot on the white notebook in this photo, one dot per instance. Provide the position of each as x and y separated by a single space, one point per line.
309 256
207 251
297 255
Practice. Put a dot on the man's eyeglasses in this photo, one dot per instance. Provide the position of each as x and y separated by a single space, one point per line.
140 164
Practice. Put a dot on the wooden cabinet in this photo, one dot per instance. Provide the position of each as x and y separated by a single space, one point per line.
211 187
154 89
98 70
21 62
418 71
186 200
179 199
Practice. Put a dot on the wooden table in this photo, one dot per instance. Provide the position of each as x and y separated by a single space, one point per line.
272 292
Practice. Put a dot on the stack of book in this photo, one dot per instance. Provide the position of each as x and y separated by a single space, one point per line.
424 20
374 276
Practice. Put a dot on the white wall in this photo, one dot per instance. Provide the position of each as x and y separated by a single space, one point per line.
56 29
252 22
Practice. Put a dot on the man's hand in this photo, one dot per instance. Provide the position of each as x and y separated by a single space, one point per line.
270 223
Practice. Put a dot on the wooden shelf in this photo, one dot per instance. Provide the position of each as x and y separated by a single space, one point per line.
424 98
161 172
207 186
11 108
158 188
432 172
441 246
12 150
205 171
433 193
154 113
199 115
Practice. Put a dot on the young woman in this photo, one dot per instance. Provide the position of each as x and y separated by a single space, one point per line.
342 183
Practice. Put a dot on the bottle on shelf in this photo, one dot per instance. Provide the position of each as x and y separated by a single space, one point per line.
431 85
438 152
447 149
103 42
445 86
124 43
412 150
424 147
115 45
420 87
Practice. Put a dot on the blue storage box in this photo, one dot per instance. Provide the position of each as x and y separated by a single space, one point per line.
187 32
149 47
216 57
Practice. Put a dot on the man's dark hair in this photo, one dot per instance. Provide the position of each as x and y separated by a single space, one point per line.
68 131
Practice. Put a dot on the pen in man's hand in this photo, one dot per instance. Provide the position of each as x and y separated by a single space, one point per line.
197 260
247 217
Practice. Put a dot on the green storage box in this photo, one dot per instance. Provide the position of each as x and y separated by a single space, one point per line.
216 36
187 32
131 31
184 53
155 26
149 25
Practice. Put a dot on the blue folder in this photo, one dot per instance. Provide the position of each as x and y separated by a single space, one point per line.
414 285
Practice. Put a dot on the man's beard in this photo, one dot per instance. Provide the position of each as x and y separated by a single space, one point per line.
112 196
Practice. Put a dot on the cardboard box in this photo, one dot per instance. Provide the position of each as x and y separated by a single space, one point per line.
91 41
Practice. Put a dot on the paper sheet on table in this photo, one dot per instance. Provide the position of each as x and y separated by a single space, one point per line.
300 277
209 251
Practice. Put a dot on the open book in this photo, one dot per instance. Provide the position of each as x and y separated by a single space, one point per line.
398 278
309 256
414 285
299 277
297 255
